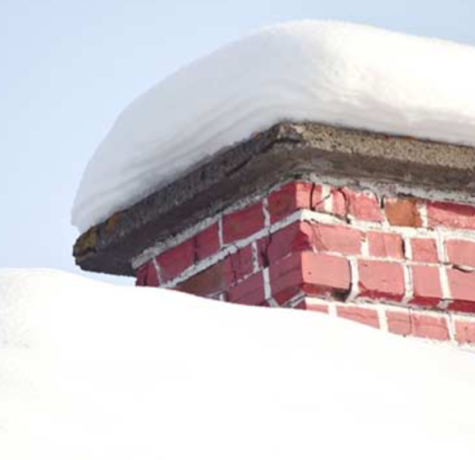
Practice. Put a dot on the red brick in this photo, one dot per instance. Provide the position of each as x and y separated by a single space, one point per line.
462 284
176 260
461 252
315 274
214 279
287 240
262 246
206 242
242 263
301 236
333 238
141 276
241 224
282 296
339 203
317 202
417 325
427 286
402 212
424 250
294 196
462 306
359 314
385 245
462 290
283 202
381 280
286 278
312 306
324 274
248 292
465 331
300 305
152 276
363 205
450 215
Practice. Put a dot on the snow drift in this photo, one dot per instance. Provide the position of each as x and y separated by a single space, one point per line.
342 74
91 371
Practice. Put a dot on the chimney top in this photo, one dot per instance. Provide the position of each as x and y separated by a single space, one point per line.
333 73
286 151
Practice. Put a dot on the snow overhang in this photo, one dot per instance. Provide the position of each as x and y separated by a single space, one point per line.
285 151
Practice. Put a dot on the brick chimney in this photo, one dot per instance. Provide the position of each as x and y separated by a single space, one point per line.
373 228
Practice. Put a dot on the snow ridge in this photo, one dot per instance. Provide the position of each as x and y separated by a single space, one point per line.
94 371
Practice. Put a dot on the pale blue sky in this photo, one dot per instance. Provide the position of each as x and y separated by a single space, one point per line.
69 67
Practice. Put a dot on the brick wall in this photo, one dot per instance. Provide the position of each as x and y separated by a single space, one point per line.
399 263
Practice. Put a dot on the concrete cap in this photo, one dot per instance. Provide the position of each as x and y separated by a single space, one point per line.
285 151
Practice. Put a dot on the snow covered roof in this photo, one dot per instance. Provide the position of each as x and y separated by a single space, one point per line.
94 371
333 73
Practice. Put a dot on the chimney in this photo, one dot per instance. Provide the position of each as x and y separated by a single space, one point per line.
374 228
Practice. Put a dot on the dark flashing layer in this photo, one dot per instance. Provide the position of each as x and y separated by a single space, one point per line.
287 150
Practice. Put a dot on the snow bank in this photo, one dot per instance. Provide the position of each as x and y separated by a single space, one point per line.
342 74
92 371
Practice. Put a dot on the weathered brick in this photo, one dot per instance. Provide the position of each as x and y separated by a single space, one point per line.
284 201
303 235
294 196
242 263
339 204
464 306
291 239
461 252
243 223
381 280
363 205
324 274
385 245
214 279
286 278
417 325
427 286
464 331
315 274
249 291
262 246
141 276
206 242
402 212
452 215
309 305
152 276
424 250
359 314
176 260
462 290
333 238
